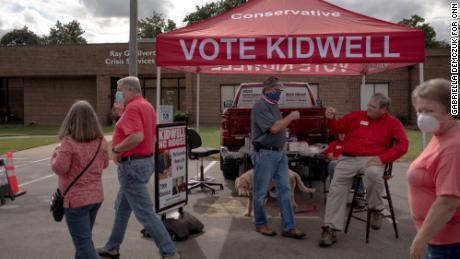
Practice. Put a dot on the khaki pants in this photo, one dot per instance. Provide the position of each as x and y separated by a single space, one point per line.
346 169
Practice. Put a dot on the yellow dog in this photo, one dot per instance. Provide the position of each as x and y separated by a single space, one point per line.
243 185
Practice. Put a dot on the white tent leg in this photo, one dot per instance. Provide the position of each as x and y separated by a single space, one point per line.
198 102
420 75
157 102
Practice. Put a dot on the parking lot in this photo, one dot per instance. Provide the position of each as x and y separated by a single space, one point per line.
28 230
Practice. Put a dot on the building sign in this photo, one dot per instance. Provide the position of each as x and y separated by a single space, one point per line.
117 57
166 113
171 166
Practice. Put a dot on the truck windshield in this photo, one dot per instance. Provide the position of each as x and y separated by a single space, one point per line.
291 97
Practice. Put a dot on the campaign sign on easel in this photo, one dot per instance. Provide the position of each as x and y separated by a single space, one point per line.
171 166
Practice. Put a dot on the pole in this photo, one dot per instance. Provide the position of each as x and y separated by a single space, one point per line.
420 75
157 102
133 37
198 102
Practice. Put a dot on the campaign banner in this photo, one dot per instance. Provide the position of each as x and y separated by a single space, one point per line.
171 166
342 48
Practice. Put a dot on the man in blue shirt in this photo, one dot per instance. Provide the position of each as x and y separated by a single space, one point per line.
268 132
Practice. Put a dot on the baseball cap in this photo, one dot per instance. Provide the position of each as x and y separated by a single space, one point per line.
273 82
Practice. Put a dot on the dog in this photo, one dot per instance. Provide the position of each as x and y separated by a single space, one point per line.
243 185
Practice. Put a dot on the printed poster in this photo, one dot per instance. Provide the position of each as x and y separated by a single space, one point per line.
171 166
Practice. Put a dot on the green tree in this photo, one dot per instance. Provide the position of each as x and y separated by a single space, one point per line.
211 9
151 26
20 37
70 33
415 21
170 25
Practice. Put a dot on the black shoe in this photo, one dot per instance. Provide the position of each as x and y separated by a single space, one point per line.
102 251
294 233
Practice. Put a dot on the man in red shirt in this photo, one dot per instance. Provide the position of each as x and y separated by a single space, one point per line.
333 153
132 150
366 149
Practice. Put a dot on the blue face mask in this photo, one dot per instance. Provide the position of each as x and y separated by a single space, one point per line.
119 98
275 96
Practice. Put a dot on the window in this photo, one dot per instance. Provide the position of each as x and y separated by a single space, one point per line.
314 90
150 90
11 100
172 91
227 92
368 90
293 96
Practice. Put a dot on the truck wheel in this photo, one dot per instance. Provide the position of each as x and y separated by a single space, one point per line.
230 169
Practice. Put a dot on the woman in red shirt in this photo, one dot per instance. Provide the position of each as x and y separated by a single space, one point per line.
80 135
434 177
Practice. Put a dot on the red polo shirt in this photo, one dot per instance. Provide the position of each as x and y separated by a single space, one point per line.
335 148
366 137
138 116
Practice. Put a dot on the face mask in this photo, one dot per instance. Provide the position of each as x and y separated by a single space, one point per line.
119 98
427 123
275 96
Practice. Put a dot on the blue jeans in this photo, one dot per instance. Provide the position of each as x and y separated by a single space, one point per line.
331 170
270 165
133 195
80 222
450 251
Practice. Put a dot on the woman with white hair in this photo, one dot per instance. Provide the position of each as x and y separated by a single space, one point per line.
434 177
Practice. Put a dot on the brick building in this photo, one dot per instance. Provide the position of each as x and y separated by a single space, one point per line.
39 83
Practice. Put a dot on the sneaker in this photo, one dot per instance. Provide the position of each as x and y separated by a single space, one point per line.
328 237
176 255
294 233
376 219
102 251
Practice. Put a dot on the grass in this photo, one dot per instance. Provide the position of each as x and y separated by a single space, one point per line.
415 145
210 138
9 130
17 144
20 137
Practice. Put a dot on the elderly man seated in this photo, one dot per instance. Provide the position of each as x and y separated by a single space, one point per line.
333 153
366 149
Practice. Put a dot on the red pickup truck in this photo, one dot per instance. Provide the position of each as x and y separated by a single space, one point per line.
236 121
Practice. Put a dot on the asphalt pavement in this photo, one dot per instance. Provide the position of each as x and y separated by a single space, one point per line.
28 231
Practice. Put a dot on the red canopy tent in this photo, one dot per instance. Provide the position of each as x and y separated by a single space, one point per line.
289 37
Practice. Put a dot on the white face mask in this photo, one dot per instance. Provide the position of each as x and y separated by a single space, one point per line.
427 123
119 97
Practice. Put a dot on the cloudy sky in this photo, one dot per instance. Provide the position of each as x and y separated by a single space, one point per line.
108 20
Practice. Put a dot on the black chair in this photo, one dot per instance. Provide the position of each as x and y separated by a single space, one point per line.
356 181
197 152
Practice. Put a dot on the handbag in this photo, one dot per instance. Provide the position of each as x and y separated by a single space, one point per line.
57 199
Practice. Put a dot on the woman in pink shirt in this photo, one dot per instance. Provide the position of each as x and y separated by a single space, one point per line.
434 177
80 136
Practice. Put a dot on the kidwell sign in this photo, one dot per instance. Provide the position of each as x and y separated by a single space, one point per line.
289 32
250 50
171 166
342 47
